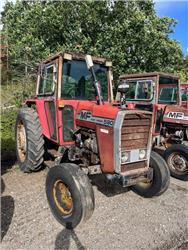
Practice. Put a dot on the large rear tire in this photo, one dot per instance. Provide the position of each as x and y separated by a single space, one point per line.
29 140
69 194
161 178
176 157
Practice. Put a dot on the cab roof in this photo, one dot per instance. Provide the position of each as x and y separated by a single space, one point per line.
149 74
78 56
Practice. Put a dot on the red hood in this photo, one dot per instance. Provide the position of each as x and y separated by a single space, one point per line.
176 114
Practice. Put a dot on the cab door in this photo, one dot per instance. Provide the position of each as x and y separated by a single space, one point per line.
46 93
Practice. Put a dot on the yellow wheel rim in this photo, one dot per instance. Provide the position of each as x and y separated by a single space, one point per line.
145 184
21 142
62 198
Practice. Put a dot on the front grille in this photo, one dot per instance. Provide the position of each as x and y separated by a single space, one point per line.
135 131
135 134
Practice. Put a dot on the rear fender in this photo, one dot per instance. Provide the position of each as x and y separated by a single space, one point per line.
39 105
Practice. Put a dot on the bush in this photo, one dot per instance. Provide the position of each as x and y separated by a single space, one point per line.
8 120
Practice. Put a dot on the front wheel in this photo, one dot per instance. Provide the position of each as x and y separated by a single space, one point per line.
160 181
69 194
176 157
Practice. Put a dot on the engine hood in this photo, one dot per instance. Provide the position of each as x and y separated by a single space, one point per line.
89 114
176 114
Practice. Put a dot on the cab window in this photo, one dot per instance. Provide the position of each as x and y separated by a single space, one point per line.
138 90
77 82
168 95
47 80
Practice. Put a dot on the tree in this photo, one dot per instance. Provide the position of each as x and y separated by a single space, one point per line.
183 71
128 32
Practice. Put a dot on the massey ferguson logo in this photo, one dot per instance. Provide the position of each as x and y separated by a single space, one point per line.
87 116
84 115
177 116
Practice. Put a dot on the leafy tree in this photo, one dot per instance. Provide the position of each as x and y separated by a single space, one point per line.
183 71
128 32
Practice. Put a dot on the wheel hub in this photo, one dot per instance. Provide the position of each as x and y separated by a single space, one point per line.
62 198
178 162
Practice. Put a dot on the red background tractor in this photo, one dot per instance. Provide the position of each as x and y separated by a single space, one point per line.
160 93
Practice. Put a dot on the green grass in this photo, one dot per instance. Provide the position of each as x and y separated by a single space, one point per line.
8 134
13 93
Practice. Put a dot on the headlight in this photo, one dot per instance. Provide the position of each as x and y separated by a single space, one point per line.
142 153
125 157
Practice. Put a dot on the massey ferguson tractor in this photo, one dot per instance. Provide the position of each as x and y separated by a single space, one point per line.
73 127
160 93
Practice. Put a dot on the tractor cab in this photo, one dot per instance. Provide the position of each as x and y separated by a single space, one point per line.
157 92
151 88
64 85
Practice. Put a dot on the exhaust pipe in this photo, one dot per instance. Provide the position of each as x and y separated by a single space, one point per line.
96 83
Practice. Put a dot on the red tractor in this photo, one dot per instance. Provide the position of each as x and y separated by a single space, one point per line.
73 127
160 93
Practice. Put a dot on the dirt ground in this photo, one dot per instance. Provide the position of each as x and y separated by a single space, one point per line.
121 220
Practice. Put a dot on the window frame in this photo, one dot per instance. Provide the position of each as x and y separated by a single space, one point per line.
136 90
54 82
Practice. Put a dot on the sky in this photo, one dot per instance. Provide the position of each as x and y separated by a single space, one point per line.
177 9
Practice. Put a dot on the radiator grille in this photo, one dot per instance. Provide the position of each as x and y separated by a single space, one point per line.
134 135
135 131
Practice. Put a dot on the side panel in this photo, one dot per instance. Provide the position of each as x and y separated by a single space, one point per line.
105 145
158 111
50 112
47 128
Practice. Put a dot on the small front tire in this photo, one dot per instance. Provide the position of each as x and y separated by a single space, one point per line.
161 178
69 194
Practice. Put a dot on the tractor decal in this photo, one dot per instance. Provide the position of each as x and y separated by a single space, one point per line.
85 115
176 115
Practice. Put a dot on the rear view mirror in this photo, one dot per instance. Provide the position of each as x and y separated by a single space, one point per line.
122 87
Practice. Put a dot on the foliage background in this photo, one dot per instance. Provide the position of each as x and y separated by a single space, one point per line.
128 32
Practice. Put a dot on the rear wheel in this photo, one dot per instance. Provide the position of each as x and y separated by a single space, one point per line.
29 140
176 157
69 194
160 181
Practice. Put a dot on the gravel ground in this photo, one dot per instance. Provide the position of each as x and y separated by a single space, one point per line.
121 220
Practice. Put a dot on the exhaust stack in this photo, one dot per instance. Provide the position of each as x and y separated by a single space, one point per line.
96 83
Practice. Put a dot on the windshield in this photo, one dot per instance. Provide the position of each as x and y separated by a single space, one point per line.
168 95
77 82
138 90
